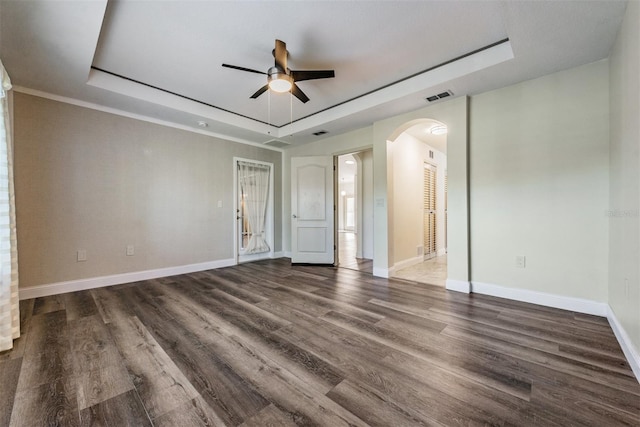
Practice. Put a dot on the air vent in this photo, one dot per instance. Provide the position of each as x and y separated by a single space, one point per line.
278 143
320 132
439 96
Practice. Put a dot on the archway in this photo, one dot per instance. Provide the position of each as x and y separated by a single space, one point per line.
454 115
418 166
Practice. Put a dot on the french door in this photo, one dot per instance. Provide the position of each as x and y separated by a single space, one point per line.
254 219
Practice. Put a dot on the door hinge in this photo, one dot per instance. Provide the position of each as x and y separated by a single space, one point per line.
335 247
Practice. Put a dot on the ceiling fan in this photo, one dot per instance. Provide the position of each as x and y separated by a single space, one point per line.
282 79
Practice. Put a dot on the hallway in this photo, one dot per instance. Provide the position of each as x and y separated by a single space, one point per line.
432 271
347 249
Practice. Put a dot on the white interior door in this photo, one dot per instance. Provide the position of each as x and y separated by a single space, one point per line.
312 210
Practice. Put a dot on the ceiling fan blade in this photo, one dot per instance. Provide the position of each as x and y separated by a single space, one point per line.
280 54
295 90
299 76
260 91
235 67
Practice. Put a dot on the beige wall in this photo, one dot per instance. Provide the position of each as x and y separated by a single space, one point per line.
624 235
408 159
91 180
539 171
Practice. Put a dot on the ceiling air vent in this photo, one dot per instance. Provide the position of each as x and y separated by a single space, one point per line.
278 143
320 132
439 96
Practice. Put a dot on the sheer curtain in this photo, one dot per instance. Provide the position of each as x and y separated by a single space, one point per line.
9 308
254 184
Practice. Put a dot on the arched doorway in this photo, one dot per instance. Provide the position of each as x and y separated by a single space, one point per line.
418 161
454 114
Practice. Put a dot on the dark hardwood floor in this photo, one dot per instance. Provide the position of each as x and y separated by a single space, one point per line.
270 344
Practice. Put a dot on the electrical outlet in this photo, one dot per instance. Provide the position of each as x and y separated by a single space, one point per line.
82 255
520 261
130 250
219 203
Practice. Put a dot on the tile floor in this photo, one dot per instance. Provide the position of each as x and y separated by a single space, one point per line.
433 272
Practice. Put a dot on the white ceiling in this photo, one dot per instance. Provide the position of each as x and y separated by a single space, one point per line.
421 133
347 171
380 51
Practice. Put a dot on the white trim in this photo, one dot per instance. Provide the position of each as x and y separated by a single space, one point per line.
458 286
625 342
381 272
118 279
406 263
97 107
279 254
578 305
287 254
132 89
441 252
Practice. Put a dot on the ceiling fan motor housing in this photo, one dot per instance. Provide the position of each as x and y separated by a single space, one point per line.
279 80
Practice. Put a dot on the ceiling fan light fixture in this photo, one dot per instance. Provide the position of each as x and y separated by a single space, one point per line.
280 82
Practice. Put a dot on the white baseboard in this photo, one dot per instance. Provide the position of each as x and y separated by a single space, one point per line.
381 272
118 279
406 263
442 252
628 348
458 286
578 305
287 254
279 255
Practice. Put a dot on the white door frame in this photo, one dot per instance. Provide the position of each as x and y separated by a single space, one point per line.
313 220
269 219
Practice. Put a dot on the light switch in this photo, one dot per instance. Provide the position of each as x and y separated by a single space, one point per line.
219 203
520 261
82 255
130 250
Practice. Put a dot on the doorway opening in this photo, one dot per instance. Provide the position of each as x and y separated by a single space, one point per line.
354 211
254 219
419 161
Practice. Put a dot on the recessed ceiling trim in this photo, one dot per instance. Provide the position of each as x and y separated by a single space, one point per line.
466 64
139 90
408 77
176 94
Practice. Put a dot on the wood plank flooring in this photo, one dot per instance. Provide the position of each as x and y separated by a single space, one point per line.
268 344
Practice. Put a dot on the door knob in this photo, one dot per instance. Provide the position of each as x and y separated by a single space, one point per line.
294 215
